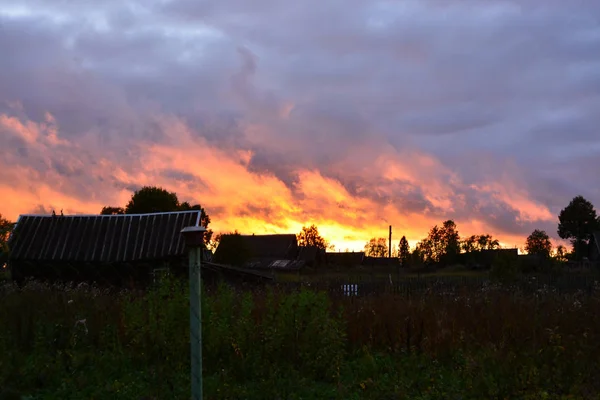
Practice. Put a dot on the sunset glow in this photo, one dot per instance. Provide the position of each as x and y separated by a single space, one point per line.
250 202
271 125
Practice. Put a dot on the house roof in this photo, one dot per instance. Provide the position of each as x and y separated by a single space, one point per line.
101 238
267 246
282 246
289 265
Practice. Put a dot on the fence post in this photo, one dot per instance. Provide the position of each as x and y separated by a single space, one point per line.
194 239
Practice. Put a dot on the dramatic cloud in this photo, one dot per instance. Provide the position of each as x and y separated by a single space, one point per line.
352 115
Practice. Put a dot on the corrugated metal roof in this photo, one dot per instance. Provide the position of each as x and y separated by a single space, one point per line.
286 264
101 238
276 264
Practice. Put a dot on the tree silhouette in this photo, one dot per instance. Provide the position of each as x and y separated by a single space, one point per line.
404 251
451 240
425 250
538 243
560 253
376 247
442 244
309 236
152 199
479 242
577 222
112 210
417 257
6 228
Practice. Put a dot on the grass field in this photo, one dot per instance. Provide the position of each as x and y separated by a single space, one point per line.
59 342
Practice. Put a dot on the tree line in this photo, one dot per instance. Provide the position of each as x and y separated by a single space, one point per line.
576 222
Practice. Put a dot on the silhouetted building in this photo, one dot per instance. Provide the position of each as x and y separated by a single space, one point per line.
108 249
345 259
312 256
381 261
259 251
484 259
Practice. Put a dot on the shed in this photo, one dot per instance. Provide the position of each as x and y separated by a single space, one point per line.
109 249
253 249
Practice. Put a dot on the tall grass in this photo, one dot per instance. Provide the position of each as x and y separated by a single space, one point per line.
60 341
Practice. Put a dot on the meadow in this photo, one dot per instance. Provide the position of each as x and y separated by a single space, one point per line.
493 342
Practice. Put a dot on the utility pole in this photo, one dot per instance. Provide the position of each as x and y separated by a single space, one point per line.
390 245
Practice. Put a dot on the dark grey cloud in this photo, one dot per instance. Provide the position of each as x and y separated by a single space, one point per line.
180 176
490 89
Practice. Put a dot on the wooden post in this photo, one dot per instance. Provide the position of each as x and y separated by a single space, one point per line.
194 239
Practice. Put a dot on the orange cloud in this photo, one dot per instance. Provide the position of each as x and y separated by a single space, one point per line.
529 210
32 133
248 201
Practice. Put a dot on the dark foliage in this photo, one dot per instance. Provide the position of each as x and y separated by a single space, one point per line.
538 243
404 251
310 237
108 210
64 342
577 222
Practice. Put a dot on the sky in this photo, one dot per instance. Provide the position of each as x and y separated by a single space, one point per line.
352 115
